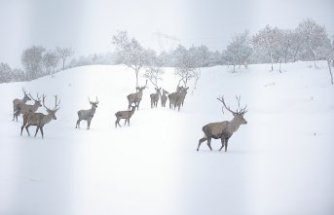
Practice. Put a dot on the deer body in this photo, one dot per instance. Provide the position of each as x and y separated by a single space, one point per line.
17 102
176 99
39 119
124 115
155 97
23 108
164 98
135 98
223 130
87 115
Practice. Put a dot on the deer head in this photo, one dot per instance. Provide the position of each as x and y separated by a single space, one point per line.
26 96
52 112
239 113
37 101
94 104
140 89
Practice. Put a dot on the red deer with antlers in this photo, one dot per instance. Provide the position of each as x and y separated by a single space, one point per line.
134 99
40 119
155 97
224 130
23 108
87 114
17 102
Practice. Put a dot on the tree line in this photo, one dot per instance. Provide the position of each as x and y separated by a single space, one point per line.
308 41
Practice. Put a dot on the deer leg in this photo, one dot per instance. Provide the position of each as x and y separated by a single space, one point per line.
27 126
42 132
36 131
223 143
117 122
209 143
226 141
22 127
88 124
200 142
78 124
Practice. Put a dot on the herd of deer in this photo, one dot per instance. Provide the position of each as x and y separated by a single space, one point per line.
217 130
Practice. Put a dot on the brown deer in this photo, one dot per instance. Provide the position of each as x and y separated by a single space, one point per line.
23 108
127 114
17 102
223 130
135 98
87 115
164 98
39 119
176 99
155 97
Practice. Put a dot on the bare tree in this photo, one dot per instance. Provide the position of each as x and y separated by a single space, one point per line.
186 68
314 37
32 61
130 52
49 62
64 54
239 50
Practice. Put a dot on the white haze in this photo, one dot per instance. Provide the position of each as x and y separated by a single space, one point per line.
88 25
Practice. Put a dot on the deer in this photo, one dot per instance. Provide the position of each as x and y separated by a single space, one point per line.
164 98
135 98
23 108
176 99
87 115
225 129
39 119
17 102
155 97
127 114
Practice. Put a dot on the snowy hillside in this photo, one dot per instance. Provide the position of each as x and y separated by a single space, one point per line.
279 163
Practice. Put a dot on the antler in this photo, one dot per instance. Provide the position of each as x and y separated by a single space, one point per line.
56 103
38 97
241 111
44 102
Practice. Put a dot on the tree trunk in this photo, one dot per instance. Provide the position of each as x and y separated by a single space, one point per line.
137 77
330 71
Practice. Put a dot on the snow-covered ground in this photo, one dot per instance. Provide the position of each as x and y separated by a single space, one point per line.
281 162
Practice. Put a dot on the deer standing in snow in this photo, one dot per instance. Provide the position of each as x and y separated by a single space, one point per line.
155 97
127 114
164 98
23 108
87 115
176 99
223 130
17 102
135 98
39 119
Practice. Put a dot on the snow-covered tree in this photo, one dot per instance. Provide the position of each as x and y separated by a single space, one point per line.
130 52
267 41
314 38
185 67
154 71
5 73
64 54
239 50
32 61
50 61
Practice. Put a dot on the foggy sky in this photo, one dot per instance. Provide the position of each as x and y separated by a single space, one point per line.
88 25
